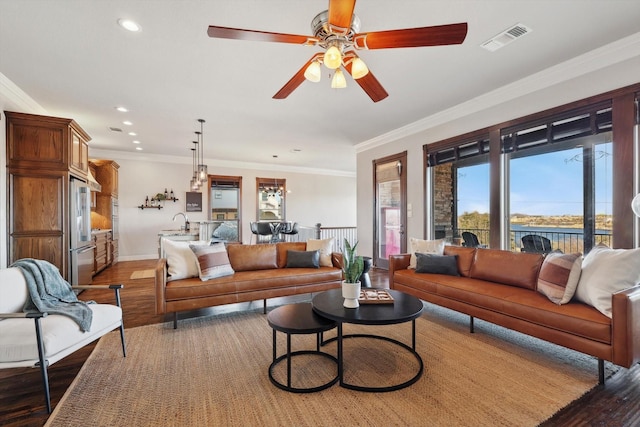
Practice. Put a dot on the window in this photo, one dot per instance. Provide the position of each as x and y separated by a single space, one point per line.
551 175
224 200
461 188
271 199
560 180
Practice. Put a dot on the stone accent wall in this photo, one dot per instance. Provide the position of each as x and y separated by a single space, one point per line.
443 201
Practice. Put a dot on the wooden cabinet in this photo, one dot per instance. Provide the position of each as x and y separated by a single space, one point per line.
46 143
103 249
104 215
43 153
107 175
114 252
79 153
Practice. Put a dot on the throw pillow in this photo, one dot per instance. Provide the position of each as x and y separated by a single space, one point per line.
213 261
303 259
437 264
559 276
424 247
226 231
325 246
181 262
604 272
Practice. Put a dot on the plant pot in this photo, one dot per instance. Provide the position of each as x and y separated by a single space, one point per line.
351 293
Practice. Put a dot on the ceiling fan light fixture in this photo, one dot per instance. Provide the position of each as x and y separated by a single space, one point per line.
338 81
358 68
332 58
313 72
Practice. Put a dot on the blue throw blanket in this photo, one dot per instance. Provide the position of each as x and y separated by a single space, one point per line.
50 293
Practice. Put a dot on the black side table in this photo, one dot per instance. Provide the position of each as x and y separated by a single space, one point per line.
298 319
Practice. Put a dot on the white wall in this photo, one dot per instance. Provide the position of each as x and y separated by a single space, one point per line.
310 199
517 100
313 196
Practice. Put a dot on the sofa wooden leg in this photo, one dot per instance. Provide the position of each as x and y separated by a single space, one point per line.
600 371
471 330
264 306
175 320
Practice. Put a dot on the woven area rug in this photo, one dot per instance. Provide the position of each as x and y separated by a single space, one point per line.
213 371
143 274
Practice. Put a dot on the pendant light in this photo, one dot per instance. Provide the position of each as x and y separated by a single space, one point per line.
194 184
203 174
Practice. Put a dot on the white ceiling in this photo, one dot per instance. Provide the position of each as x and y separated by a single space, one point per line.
73 59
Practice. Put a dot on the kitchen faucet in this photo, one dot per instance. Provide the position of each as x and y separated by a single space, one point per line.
186 220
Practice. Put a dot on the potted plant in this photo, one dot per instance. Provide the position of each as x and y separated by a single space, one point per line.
352 267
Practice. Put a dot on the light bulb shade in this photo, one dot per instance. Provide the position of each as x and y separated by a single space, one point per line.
338 81
635 205
313 72
332 58
358 68
194 184
203 175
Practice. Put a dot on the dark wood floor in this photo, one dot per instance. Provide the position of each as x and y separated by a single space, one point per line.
617 403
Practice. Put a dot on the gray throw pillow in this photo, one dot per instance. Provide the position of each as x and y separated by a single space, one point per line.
303 259
437 264
226 231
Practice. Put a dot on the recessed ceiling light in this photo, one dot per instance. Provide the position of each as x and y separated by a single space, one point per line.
121 109
132 134
127 122
136 142
129 25
139 148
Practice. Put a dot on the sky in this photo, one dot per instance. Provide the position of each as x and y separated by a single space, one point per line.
548 184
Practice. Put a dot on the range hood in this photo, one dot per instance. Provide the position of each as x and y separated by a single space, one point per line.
93 184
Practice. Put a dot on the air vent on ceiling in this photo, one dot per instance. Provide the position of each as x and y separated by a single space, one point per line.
506 37
112 129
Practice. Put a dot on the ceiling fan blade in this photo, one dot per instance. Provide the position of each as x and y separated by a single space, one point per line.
260 36
340 13
295 81
412 37
369 83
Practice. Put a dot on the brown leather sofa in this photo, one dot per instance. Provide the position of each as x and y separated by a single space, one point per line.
500 287
260 273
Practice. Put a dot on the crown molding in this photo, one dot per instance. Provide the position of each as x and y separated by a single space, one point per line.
159 158
17 99
605 56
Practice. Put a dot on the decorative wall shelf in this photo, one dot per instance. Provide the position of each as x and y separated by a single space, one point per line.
157 201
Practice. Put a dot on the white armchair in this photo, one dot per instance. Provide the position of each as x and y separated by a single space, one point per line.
39 340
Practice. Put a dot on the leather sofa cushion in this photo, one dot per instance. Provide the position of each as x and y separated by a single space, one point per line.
506 267
283 247
248 281
575 318
465 257
253 257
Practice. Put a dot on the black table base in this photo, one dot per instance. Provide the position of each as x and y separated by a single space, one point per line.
411 349
299 319
287 387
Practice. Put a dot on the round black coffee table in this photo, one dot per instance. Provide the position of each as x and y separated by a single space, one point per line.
298 319
405 308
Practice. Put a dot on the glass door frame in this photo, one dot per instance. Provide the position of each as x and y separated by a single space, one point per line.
401 162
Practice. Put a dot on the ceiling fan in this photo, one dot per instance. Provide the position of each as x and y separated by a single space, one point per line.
336 31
